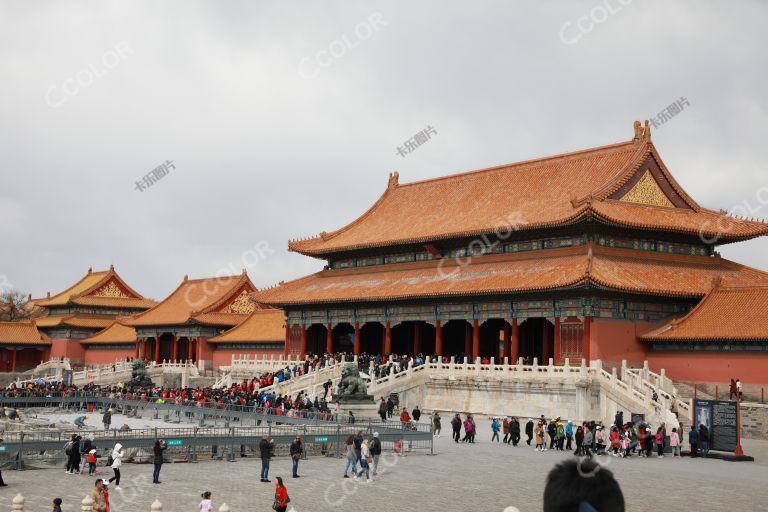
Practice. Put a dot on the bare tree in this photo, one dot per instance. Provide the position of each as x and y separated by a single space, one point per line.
13 306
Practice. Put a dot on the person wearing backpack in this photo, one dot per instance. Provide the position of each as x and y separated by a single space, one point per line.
375 449
72 450
117 461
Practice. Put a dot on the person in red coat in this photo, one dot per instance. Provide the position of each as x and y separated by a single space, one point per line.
281 496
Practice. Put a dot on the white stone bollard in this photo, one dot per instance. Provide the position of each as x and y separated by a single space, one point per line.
224 508
17 505
86 505
156 506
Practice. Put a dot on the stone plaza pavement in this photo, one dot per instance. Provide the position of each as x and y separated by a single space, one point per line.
462 477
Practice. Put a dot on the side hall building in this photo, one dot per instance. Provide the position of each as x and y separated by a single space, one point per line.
574 256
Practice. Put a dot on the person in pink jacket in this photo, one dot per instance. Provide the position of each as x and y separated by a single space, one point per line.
674 442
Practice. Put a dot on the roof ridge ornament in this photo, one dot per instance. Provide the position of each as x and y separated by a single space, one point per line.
394 178
642 132
324 235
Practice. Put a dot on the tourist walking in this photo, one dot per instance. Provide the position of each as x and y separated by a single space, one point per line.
97 496
266 447
281 496
437 425
693 440
91 458
72 451
568 435
206 505
375 448
57 505
732 389
589 439
117 461
505 429
106 419
365 460
416 414
738 389
157 459
659 442
297 449
350 455
456 425
674 442
2 483
539 431
495 427
703 440
468 430
529 430
383 409
514 430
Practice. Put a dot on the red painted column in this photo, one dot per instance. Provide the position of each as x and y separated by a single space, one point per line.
174 347
157 347
438 338
13 360
138 342
287 340
475 339
556 355
329 340
507 342
416 338
387 339
585 348
515 342
468 340
303 349
544 343
356 346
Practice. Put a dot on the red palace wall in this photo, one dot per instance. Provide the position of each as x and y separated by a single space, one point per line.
72 349
223 357
26 359
616 340
107 355
750 367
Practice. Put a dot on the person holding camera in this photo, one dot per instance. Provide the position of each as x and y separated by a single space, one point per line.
157 459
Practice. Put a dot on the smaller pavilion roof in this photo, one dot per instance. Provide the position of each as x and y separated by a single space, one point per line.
105 288
211 301
115 333
22 333
81 320
262 326
727 313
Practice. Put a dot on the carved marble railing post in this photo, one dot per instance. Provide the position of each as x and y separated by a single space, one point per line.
86 505
624 371
17 505
583 368
613 377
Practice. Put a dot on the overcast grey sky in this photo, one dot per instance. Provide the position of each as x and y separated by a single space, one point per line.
283 118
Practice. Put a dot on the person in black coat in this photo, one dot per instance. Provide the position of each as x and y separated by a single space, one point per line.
529 431
514 430
266 447
456 425
157 460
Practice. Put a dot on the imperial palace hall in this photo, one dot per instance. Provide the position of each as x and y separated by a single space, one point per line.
596 254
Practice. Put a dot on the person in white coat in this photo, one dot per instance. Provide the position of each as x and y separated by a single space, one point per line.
117 461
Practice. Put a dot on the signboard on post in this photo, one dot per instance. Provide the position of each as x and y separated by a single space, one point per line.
67 378
721 419
175 442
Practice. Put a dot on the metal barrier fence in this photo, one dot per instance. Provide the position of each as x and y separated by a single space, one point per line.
323 436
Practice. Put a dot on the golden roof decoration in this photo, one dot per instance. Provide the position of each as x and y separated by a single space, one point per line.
242 305
648 192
